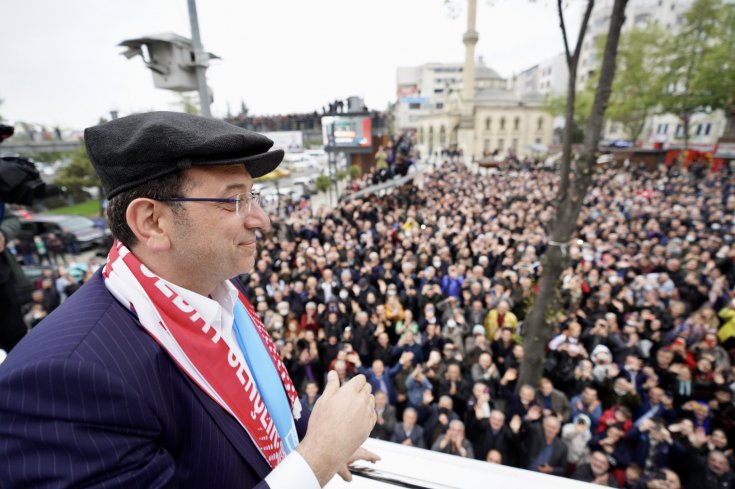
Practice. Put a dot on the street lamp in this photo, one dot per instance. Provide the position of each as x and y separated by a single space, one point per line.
177 63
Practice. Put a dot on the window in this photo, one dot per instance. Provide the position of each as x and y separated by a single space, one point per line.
431 137
502 124
679 130
516 123
514 146
613 128
707 128
488 123
414 106
699 130
438 90
501 143
540 124
442 136
537 141
439 105
421 135
486 146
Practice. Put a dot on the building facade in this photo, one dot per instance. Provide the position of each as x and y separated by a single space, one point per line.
664 130
471 108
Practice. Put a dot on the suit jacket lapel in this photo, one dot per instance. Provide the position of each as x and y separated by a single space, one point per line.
233 431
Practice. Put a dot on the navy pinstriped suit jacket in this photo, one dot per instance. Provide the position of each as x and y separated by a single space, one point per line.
89 399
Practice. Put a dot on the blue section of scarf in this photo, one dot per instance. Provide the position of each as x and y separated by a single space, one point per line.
265 376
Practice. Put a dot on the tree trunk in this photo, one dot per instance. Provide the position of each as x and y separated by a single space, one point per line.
537 331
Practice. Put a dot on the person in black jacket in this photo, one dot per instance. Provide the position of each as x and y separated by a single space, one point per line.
542 449
712 472
596 471
492 433
14 285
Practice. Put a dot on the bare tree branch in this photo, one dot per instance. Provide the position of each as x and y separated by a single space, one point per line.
583 30
572 63
564 32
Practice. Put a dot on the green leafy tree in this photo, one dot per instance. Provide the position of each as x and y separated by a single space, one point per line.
323 183
690 56
715 77
78 173
244 110
355 172
557 105
636 87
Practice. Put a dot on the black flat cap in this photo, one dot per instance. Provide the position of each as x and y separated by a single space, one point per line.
132 150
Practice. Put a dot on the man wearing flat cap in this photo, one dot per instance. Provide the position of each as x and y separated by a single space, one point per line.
158 372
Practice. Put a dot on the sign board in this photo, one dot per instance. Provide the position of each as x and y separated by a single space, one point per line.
350 133
402 466
289 141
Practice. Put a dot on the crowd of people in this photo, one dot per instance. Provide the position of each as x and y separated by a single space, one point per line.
310 121
425 289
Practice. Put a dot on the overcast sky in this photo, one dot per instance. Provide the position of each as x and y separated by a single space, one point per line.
61 65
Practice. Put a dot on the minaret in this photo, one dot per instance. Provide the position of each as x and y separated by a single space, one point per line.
470 40
466 131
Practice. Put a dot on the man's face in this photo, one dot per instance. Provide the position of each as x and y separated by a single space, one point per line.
210 243
378 367
551 427
719 439
380 399
497 418
589 396
453 373
409 418
599 464
312 390
526 394
718 463
546 387
655 395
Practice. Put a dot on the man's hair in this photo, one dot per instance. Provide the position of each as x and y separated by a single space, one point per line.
172 185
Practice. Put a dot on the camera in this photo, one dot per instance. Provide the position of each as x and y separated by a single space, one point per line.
20 182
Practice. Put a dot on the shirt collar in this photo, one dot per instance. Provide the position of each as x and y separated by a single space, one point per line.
217 310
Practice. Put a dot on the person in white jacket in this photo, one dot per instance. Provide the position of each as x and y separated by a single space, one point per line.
575 435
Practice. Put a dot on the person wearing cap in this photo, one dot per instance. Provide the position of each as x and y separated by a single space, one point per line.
158 372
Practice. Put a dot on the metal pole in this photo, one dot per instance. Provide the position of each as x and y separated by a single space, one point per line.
200 60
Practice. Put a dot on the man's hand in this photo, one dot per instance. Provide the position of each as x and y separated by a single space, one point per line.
534 413
354 358
545 468
360 454
341 421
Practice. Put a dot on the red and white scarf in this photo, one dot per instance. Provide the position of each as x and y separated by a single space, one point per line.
198 348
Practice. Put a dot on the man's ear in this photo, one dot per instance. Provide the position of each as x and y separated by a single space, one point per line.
151 221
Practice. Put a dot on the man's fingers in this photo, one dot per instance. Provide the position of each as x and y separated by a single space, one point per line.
364 454
345 473
332 384
358 382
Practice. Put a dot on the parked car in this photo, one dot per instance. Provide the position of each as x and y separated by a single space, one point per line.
87 233
299 162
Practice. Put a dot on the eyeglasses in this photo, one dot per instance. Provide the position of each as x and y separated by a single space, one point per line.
240 204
